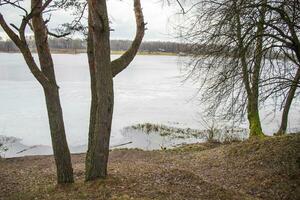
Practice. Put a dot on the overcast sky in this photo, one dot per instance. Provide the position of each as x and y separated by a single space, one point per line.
121 14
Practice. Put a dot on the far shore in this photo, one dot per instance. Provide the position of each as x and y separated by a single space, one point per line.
78 51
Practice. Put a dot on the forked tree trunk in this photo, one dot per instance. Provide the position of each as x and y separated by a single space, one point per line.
102 104
102 71
55 116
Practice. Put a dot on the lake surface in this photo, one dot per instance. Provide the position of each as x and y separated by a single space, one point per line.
151 90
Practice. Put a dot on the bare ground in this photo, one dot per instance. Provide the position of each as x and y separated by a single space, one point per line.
255 169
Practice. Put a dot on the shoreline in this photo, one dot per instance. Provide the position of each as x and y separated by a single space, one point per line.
113 52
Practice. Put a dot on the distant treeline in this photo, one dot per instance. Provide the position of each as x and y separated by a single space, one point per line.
79 45
148 46
54 43
116 45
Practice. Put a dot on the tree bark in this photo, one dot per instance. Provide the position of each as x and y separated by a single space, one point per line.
101 115
102 71
90 53
253 117
59 142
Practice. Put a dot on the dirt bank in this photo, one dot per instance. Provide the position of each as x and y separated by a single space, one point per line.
266 169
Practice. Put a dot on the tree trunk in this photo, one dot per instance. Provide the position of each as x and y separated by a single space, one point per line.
90 53
251 89
98 150
253 112
59 142
289 100
253 118
102 71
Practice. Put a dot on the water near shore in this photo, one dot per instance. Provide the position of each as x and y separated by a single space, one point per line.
149 91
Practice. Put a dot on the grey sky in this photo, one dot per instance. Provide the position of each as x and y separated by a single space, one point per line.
122 17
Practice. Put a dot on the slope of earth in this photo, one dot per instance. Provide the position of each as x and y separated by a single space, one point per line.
254 169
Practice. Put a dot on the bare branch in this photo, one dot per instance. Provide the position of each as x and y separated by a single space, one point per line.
121 63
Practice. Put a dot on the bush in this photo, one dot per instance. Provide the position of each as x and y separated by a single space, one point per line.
3 149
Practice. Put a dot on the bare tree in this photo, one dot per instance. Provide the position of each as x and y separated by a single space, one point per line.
282 71
231 68
102 71
251 76
45 76
255 43
284 27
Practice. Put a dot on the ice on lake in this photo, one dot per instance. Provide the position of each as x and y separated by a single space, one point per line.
151 90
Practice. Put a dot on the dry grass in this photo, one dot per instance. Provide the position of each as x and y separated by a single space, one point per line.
254 169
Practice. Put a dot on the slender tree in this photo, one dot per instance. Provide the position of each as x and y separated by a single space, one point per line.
284 27
253 87
46 77
102 71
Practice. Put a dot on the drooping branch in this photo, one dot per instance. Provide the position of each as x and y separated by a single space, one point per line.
76 25
58 35
121 63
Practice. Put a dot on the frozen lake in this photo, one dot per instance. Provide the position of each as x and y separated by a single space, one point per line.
150 90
